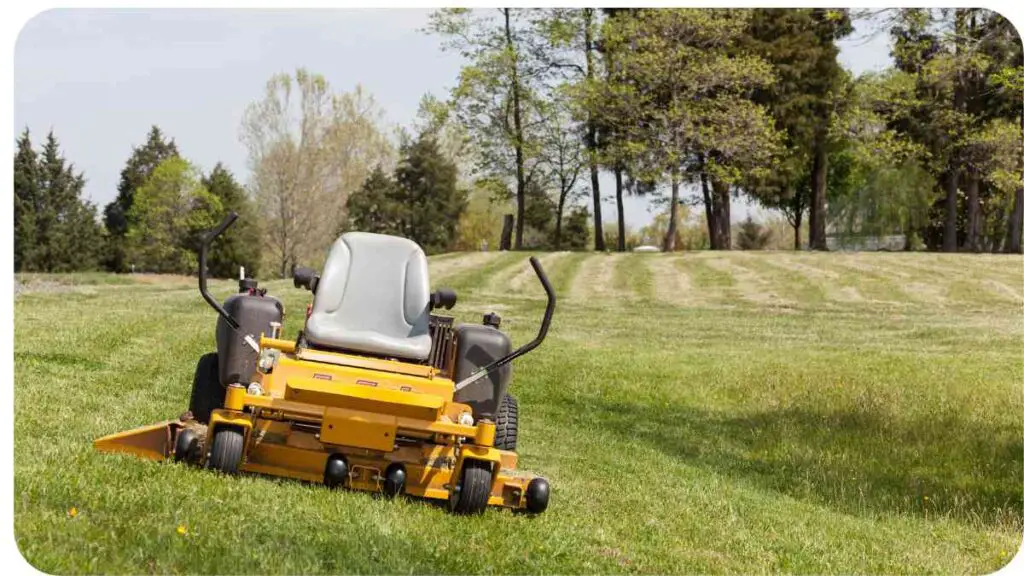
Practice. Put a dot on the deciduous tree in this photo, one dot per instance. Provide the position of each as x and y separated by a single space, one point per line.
309 149
170 212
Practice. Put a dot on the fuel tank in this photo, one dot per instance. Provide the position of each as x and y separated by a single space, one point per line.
477 346
254 312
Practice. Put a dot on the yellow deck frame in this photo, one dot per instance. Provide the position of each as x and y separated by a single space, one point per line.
375 412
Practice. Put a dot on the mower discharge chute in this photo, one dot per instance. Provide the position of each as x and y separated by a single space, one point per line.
377 393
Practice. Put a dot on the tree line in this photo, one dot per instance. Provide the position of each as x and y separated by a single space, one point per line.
164 204
753 102
734 102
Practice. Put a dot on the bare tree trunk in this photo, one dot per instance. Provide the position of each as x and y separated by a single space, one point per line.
721 212
517 120
591 140
1016 228
506 233
949 232
1016 219
622 214
797 221
709 216
558 217
669 245
972 242
950 183
819 183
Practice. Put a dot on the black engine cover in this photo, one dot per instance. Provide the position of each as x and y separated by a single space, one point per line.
476 347
254 313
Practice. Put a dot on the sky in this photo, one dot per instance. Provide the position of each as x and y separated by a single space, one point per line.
99 78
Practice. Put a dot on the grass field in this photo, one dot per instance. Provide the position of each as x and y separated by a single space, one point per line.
701 412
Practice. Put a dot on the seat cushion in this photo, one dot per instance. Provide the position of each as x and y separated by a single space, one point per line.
373 297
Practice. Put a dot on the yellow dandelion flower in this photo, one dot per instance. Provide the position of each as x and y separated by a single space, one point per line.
183 530
73 512
926 498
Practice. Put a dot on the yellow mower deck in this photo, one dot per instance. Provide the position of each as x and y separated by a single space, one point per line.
314 405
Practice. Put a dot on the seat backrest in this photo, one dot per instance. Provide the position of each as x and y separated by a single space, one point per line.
373 296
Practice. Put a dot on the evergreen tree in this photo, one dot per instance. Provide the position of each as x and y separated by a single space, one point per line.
55 229
575 232
431 194
421 202
800 46
376 206
240 244
26 197
140 166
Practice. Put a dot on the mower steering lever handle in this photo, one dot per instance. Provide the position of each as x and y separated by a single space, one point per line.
208 239
545 323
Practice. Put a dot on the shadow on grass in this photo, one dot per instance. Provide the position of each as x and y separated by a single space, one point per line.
854 461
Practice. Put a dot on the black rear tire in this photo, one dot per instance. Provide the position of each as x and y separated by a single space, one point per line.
506 425
207 392
226 452
474 488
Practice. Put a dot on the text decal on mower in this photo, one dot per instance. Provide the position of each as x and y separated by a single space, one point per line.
322 376
366 382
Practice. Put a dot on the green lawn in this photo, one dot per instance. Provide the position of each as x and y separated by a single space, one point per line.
699 412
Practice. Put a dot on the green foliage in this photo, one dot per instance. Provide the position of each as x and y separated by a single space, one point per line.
240 244
481 221
26 194
889 199
376 207
691 233
169 214
422 202
804 101
116 215
497 99
680 87
752 235
576 229
538 219
55 230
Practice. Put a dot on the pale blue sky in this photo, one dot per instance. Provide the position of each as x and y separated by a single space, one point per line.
100 78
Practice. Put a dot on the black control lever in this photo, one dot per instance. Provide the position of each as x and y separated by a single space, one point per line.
549 311
204 246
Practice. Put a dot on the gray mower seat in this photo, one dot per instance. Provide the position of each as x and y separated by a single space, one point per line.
373 297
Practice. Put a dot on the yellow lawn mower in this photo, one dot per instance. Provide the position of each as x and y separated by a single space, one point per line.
376 393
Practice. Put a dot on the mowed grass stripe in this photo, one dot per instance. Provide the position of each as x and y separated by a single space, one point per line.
563 275
524 282
476 273
875 285
672 284
791 280
748 286
450 265
633 277
596 280
715 286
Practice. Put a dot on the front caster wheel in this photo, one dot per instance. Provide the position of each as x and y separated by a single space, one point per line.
226 452
186 447
537 494
474 488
